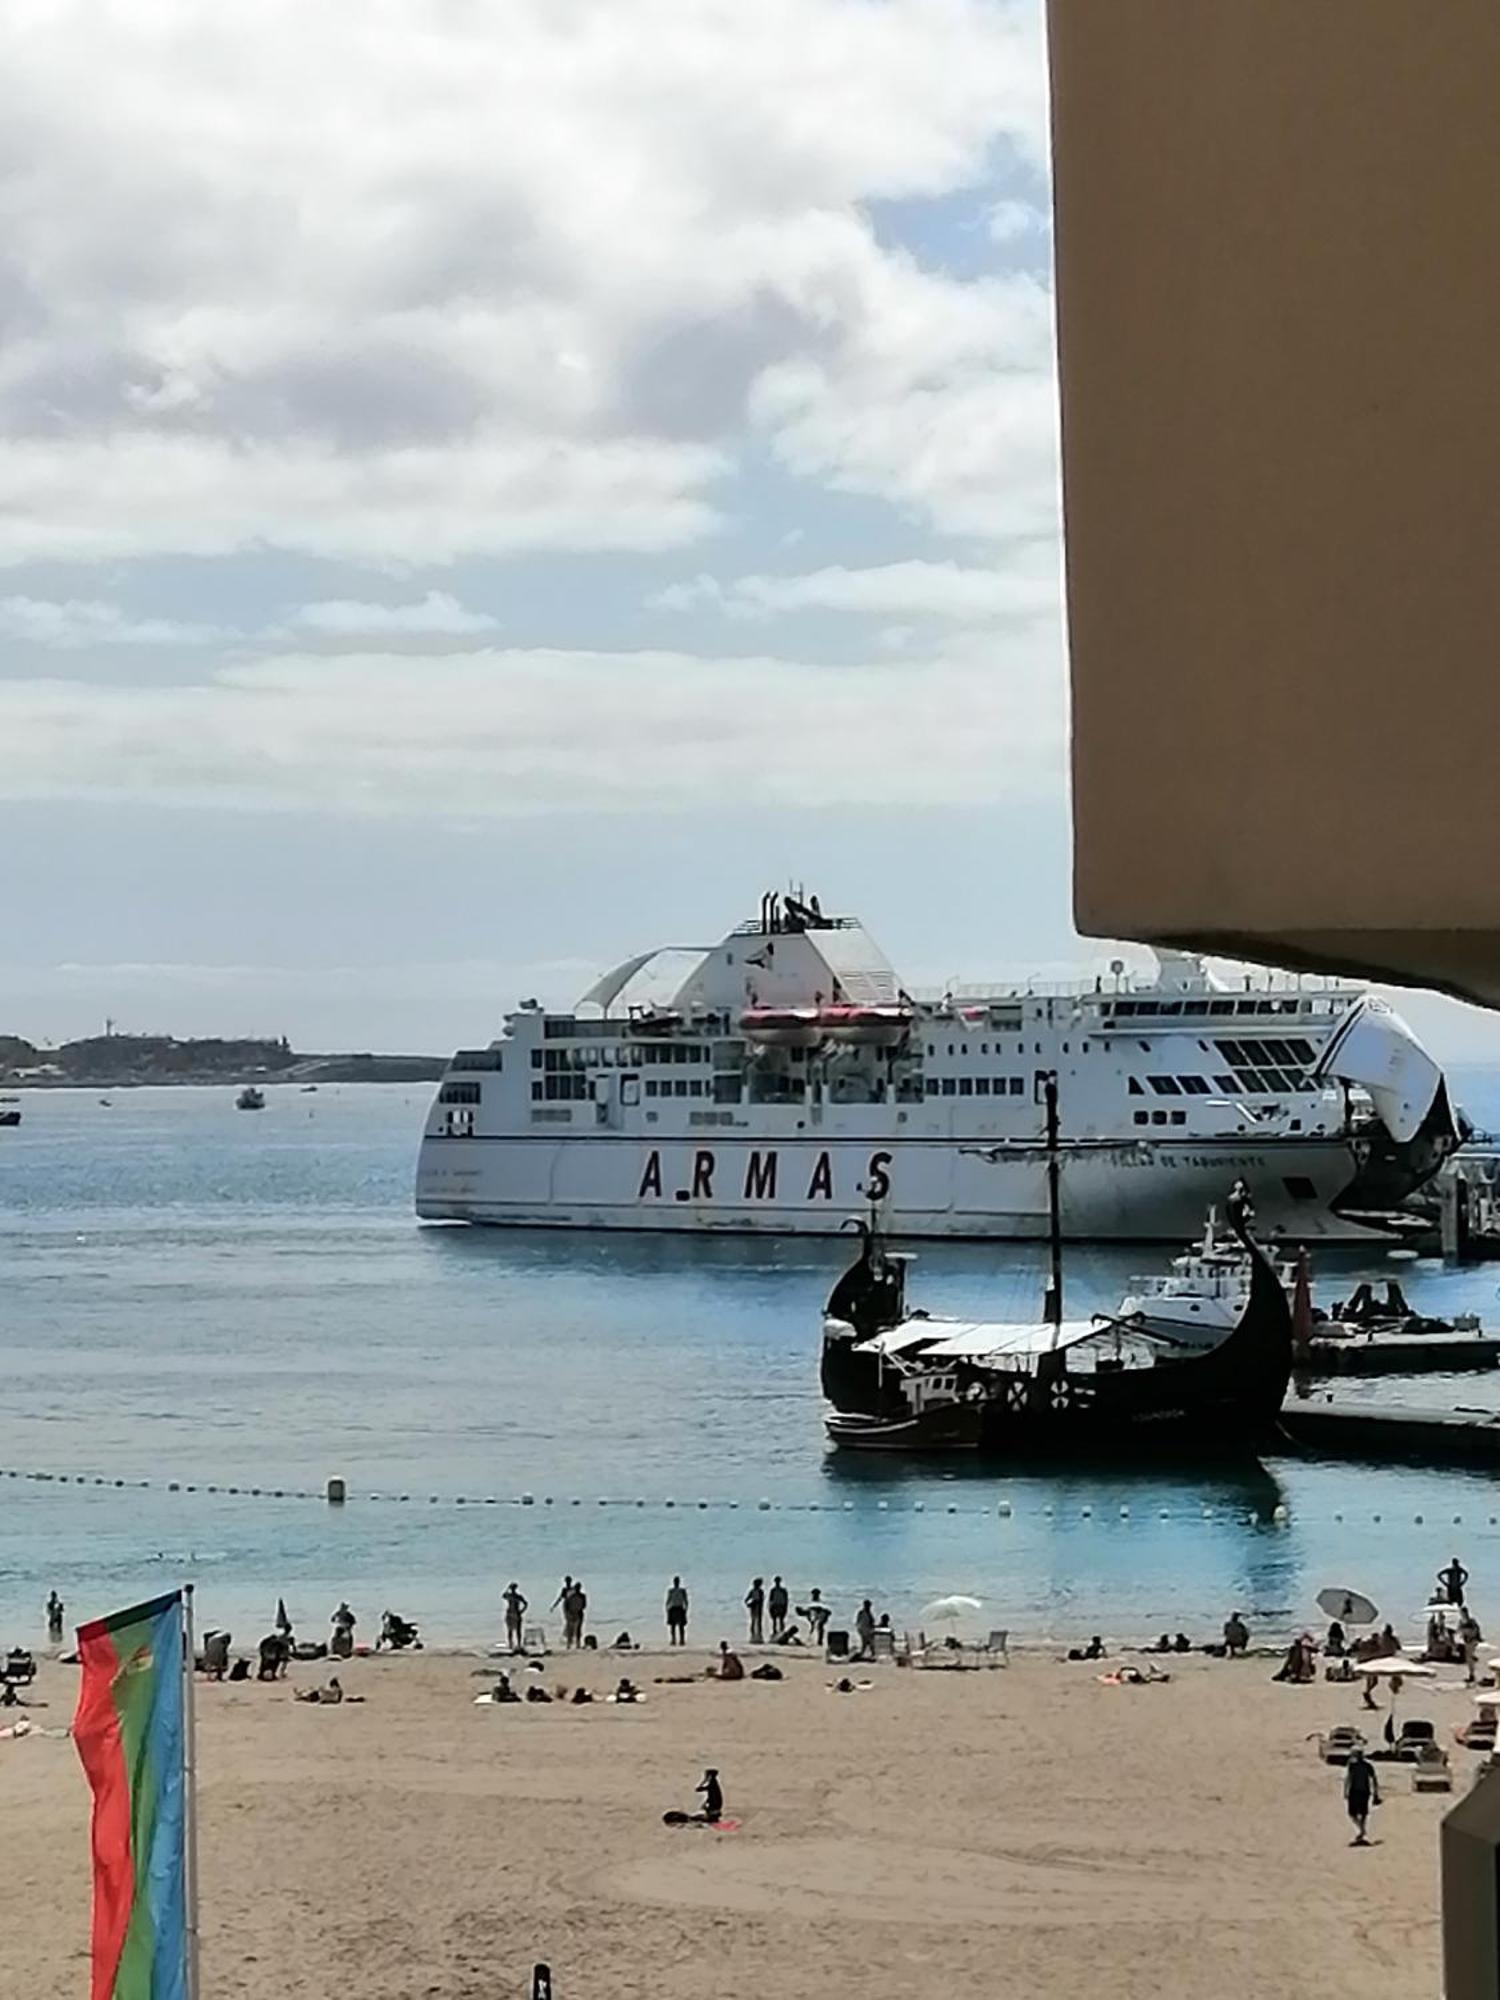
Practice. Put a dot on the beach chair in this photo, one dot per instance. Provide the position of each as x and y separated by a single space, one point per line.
1415 1735
837 1646
533 1638
1478 1734
882 1645
996 1649
1429 1770
1340 1744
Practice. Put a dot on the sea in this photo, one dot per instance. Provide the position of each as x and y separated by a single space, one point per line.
207 1314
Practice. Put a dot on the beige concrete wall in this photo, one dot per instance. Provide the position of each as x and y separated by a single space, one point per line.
1278 245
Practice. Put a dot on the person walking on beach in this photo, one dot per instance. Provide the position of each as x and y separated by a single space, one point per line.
54 1618
778 1604
755 1604
1451 1581
677 1611
1360 1793
1469 1637
561 1601
864 1625
515 1612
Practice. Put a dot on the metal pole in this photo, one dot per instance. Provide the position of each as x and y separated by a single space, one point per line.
1052 1305
190 1794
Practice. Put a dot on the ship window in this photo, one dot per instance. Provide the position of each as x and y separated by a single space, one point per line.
1143 1117
1302 1052
1194 1086
459 1093
984 1048
1158 1118
1221 1006
1017 1085
1133 1087
1179 1118
536 1058
932 1086
1227 1085
536 1091
949 1086
966 1086
651 1086
1299 1187
630 1090
981 1086
1274 1080
1164 1086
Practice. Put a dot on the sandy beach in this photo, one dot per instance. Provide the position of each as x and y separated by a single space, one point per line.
1018 1829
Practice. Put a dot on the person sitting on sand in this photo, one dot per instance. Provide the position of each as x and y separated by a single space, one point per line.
1297 1667
537 1694
731 1666
503 1691
1182 1643
326 1697
1335 1645
1163 1644
627 1691
712 1793
1236 1636
274 1653
1094 1650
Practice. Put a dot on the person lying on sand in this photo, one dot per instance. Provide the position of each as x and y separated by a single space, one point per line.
325 1697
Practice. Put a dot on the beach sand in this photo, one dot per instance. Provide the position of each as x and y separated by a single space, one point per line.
1010 1830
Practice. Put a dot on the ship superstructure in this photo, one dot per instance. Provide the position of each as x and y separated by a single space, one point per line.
784 1077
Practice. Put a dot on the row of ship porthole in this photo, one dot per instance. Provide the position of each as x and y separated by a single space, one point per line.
1004 1509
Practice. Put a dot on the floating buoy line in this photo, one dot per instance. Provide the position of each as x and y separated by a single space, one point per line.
336 1493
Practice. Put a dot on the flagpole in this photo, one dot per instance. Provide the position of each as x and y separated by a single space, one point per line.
190 1792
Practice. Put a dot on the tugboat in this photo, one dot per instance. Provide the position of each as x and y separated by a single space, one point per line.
10 1111
900 1380
250 1099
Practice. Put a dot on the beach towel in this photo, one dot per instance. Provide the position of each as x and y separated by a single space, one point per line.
699 1823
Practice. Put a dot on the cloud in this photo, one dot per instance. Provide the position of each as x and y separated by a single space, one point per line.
501 734
405 282
436 614
1028 586
79 622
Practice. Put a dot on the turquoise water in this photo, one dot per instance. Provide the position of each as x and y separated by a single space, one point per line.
196 1295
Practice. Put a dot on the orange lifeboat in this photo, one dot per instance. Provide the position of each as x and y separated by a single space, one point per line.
881 1026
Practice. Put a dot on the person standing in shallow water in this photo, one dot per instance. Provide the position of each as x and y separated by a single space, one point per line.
1360 1793
677 1612
778 1604
515 1613
54 1617
575 1607
755 1604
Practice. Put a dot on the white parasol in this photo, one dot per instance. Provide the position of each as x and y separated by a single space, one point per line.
951 1609
1350 1607
1487 1698
1398 1668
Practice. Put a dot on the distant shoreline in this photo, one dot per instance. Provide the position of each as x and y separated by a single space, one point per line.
314 1070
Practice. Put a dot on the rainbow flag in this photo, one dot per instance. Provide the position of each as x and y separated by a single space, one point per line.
130 1729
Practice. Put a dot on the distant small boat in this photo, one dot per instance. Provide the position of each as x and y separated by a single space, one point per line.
250 1099
10 1111
108 1103
308 1089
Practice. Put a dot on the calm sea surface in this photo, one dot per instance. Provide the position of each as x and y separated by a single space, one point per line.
194 1294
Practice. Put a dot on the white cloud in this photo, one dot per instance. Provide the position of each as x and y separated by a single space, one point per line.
78 622
1027 586
497 734
436 614
1008 221
403 281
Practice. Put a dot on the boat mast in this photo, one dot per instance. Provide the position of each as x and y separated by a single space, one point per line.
1052 1303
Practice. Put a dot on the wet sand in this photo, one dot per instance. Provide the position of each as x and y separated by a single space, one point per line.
1009 1830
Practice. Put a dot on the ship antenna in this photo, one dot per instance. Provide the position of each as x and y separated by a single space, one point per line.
1052 1303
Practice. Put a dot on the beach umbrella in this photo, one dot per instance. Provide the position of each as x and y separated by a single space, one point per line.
283 1623
1398 1668
1350 1607
1487 1698
951 1608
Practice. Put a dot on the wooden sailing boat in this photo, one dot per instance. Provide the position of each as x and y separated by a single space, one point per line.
899 1380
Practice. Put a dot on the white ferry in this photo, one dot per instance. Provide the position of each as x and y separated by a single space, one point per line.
786 1078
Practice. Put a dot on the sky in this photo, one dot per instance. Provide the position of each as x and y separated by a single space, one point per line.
487 490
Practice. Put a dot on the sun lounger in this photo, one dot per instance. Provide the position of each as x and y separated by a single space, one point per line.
1429 1771
1476 1735
996 1649
882 1645
1415 1734
534 1639
1339 1745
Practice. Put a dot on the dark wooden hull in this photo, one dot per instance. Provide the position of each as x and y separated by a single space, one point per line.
1227 1398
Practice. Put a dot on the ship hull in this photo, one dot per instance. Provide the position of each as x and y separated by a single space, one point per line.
795 1186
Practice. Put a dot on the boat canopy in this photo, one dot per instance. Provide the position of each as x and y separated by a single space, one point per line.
955 1340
